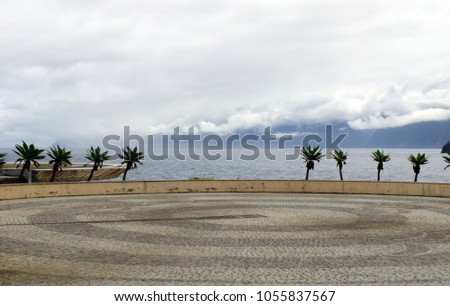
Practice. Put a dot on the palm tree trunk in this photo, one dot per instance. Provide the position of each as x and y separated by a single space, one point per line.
307 174
30 175
25 166
21 173
92 173
416 169
378 178
55 168
340 173
129 165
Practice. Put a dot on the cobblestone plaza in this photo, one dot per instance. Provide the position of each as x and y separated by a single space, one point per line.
225 239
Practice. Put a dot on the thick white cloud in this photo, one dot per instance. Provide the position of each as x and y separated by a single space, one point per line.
84 69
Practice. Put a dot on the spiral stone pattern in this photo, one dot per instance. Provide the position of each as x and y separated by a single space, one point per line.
225 239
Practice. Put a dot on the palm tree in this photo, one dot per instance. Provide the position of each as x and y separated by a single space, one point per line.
380 158
310 156
447 160
59 158
2 159
417 161
340 157
130 157
27 154
97 157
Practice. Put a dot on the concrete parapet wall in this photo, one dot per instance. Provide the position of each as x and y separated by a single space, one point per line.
37 190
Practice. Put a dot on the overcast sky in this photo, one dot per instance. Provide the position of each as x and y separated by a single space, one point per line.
83 69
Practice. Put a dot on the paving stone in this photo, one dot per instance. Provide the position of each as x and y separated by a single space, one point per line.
225 239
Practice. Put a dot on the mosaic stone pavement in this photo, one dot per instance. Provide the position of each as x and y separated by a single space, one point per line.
225 239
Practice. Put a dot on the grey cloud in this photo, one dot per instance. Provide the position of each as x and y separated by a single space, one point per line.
219 65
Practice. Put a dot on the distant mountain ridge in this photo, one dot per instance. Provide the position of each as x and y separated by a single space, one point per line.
432 134
419 135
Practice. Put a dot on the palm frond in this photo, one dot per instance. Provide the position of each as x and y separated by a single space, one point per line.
2 159
312 154
447 160
419 159
131 155
28 153
380 156
96 155
340 157
59 156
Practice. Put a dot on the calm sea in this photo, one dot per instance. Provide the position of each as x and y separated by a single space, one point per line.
360 166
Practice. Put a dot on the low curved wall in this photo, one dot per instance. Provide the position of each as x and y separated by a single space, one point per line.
37 190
